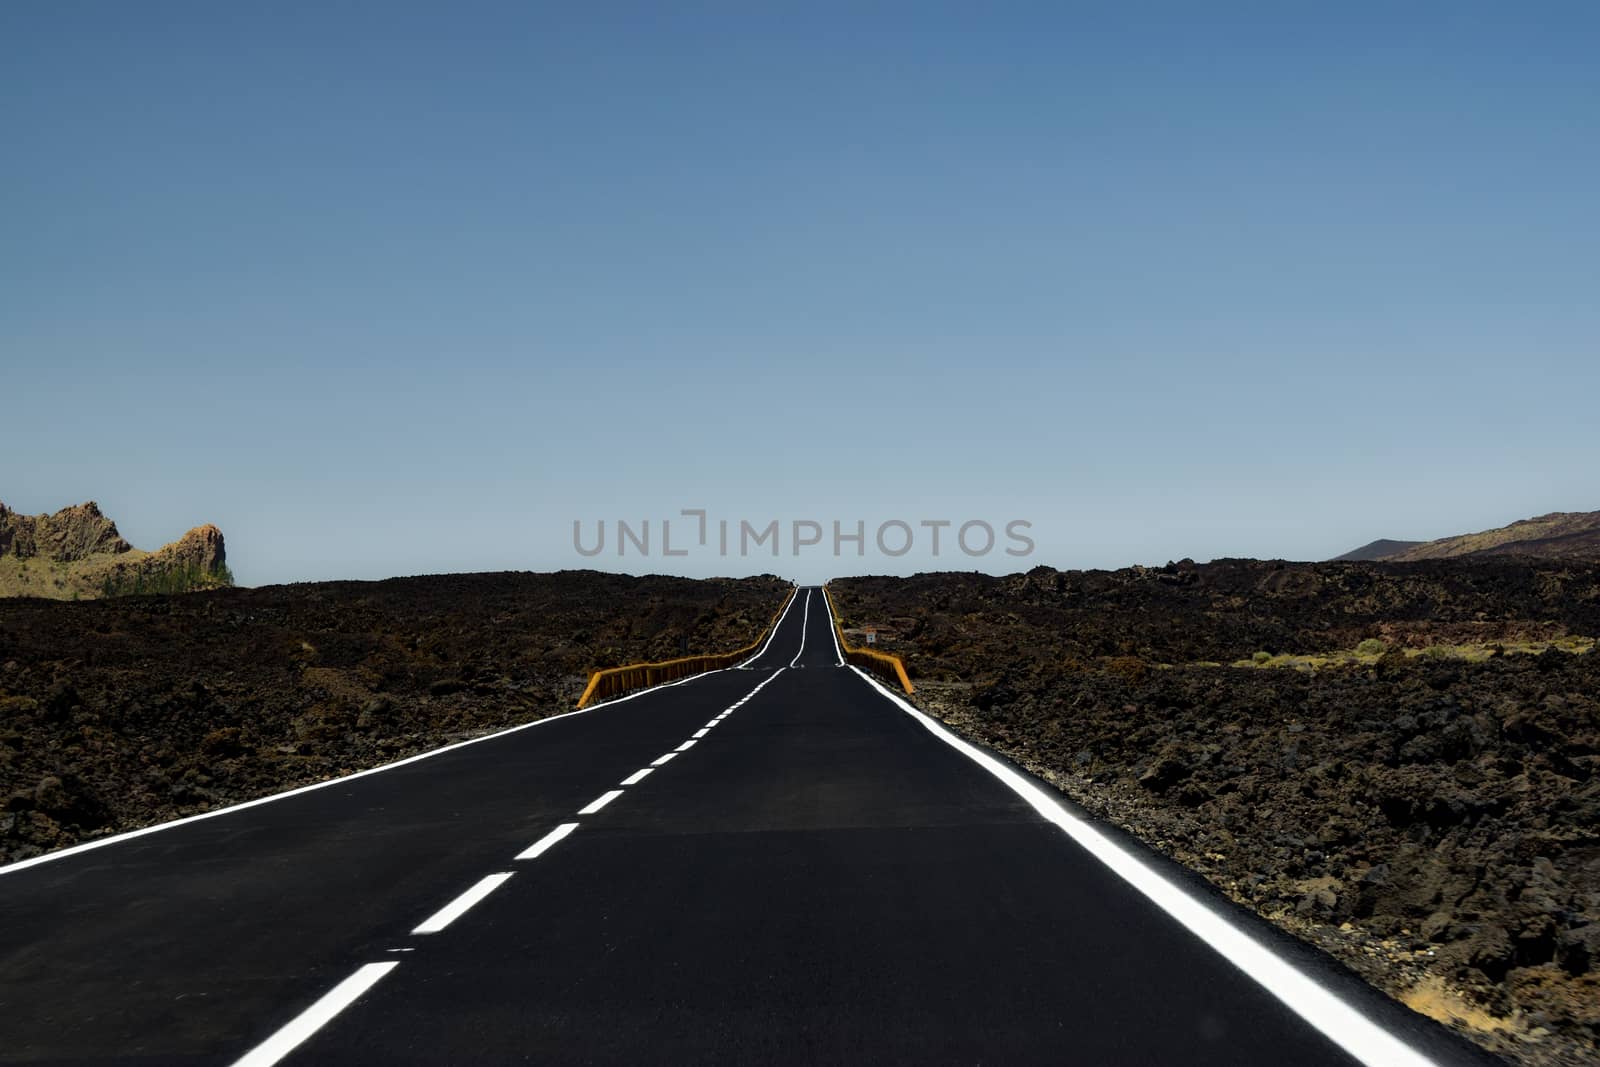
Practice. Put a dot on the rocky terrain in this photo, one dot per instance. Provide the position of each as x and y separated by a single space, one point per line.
1399 763
77 554
118 713
1558 535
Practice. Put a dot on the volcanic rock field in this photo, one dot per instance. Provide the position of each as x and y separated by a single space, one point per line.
1396 762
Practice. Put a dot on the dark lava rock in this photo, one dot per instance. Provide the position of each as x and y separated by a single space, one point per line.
121 712
1578 949
1166 770
1456 800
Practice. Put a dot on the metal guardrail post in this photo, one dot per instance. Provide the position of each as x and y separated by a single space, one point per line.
886 664
612 681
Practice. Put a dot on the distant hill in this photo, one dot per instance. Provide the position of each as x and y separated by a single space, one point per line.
77 553
1383 548
1558 535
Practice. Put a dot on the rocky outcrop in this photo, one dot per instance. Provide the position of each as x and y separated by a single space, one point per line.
201 547
71 534
77 553
197 560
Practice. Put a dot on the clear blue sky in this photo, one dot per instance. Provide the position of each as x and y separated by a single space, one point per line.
388 289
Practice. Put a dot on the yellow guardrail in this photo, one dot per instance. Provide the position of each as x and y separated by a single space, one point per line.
613 681
885 664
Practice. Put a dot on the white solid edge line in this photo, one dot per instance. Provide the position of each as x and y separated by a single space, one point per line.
686 746
636 777
774 631
659 760
804 621
458 907
833 626
1340 1022
128 835
599 802
296 1030
541 846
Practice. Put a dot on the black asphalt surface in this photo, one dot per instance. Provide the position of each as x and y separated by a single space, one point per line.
816 879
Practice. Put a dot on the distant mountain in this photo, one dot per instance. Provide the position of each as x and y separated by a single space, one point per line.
1383 548
1558 535
78 553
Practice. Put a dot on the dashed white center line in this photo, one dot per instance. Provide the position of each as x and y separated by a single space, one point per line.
458 907
314 1018
341 996
599 802
539 847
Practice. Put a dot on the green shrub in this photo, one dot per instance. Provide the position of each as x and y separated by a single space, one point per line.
1372 647
1261 657
184 579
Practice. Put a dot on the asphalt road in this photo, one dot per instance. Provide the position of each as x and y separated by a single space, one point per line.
814 876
